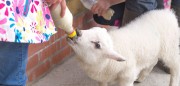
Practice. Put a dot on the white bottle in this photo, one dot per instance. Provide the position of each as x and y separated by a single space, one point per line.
89 3
65 23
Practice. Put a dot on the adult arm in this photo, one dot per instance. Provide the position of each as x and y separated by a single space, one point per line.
103 5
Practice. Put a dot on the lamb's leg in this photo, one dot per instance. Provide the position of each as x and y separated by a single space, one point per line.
173 64
174 81
103 84
126 82
145 72
175 75
127 78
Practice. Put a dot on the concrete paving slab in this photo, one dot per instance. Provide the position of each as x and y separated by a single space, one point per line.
70 74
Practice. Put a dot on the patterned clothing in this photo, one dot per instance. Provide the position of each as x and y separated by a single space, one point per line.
167 4
25 21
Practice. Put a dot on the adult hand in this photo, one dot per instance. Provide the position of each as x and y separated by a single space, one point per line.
53 4
101 7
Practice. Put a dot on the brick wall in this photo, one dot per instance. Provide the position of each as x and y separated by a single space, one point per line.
43 57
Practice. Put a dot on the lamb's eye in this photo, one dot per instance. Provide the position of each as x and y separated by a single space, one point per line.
97 45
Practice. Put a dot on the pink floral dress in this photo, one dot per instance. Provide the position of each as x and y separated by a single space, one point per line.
167 4
25 21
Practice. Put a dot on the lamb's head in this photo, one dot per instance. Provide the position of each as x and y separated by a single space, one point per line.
94 44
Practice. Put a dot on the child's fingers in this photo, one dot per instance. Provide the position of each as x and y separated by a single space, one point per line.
63 7
53 6
95 9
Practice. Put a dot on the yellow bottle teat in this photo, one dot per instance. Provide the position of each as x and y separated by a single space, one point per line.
73 34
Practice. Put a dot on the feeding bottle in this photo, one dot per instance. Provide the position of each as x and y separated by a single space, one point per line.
65 23
89 3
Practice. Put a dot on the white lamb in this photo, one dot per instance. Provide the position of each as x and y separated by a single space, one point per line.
129 54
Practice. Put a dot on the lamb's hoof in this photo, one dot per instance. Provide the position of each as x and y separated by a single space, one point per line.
137 82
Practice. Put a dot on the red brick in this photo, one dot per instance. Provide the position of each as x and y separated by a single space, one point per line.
52 39
82 19
32 62
39 71
62 33
58 34
88 16
78 20
50 50
47 43
56 59
89 25
53 47
33 48
58 45
64 42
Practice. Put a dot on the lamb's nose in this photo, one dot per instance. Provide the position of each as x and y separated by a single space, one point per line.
79 33
75 39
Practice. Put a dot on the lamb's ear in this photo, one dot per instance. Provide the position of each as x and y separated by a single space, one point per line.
114 55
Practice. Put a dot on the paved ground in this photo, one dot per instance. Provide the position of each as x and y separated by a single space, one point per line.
69 74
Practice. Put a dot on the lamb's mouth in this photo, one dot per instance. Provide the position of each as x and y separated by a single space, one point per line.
74 39
79 34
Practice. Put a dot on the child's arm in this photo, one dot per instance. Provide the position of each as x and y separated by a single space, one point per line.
54 3
113 2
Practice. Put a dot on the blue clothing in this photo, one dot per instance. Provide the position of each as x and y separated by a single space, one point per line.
141 6
176 2
13 60
176 7
134 8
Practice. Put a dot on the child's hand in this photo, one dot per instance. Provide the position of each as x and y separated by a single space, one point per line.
53 4
100 7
